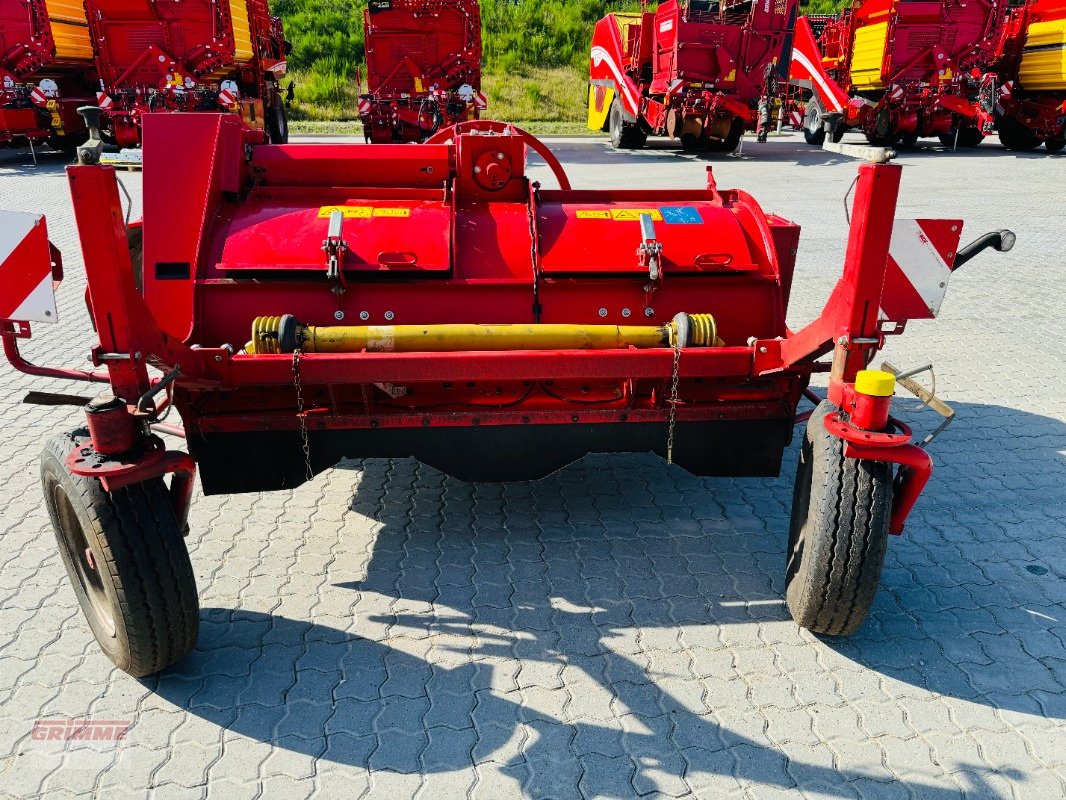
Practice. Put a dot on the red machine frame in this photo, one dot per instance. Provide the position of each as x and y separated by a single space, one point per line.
218 389
692 73
423 68
147 63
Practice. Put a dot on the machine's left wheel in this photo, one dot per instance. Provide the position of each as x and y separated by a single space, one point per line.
278 123
624 135
969 136
127 561
838 535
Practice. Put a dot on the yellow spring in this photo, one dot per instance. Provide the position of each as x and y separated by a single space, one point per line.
265 335
704 331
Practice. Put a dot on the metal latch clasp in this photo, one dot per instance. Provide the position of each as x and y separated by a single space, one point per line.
334 247
650 252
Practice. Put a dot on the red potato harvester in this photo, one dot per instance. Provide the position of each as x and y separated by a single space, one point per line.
1023 95
46 72
304 303
898 70
423 68
162 56
700 71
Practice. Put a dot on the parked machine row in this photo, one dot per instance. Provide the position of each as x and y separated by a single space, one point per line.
705 71
957 70
133 58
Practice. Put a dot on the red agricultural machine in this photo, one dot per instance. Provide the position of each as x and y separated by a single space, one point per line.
1023 95
46 72
700 71
297 304
159 56
423 68
899 69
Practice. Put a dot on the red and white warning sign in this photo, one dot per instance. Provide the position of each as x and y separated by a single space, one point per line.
37 97
104 100
921 256
225 99
364 106
795 118
26 289
481 101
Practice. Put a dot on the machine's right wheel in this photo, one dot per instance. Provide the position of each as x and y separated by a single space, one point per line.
1015 136
1055 145
813 129
624 135
127 561
838 535
278 123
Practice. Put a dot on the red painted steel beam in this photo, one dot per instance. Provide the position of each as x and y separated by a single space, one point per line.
516 365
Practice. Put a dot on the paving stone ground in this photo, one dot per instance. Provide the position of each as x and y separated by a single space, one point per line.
616 629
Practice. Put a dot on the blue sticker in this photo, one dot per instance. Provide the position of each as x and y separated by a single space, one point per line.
681 215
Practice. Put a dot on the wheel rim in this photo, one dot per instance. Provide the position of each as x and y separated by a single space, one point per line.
812 117
74 541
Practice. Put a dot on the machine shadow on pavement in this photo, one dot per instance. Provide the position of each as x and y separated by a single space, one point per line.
526 622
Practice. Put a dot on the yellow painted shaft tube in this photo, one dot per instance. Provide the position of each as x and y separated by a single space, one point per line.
283 334
445 338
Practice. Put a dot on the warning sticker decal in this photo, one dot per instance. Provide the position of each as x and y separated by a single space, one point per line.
634 214
363 212
593 213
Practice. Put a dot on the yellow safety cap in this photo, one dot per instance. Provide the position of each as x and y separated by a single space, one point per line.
875 383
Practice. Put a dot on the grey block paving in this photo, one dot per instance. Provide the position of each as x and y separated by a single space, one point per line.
616 629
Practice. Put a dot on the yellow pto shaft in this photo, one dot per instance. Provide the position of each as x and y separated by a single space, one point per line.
284 334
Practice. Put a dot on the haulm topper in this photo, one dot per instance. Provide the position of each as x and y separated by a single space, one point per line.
695 70
1023 95
160 56
298 304
899 70
46 72
423 68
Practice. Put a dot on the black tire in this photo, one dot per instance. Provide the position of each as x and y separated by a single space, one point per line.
1055 145
1015 136
969 136
138 592
813 129
68 144
624 135
838 535
278 123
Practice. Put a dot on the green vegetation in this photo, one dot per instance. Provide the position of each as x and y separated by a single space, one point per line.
535 54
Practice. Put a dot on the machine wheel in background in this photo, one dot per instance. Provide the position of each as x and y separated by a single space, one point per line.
813 129
838 535
909 142
68 144
127 560
969 136
1015 136
1055 145
278 123
624 135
